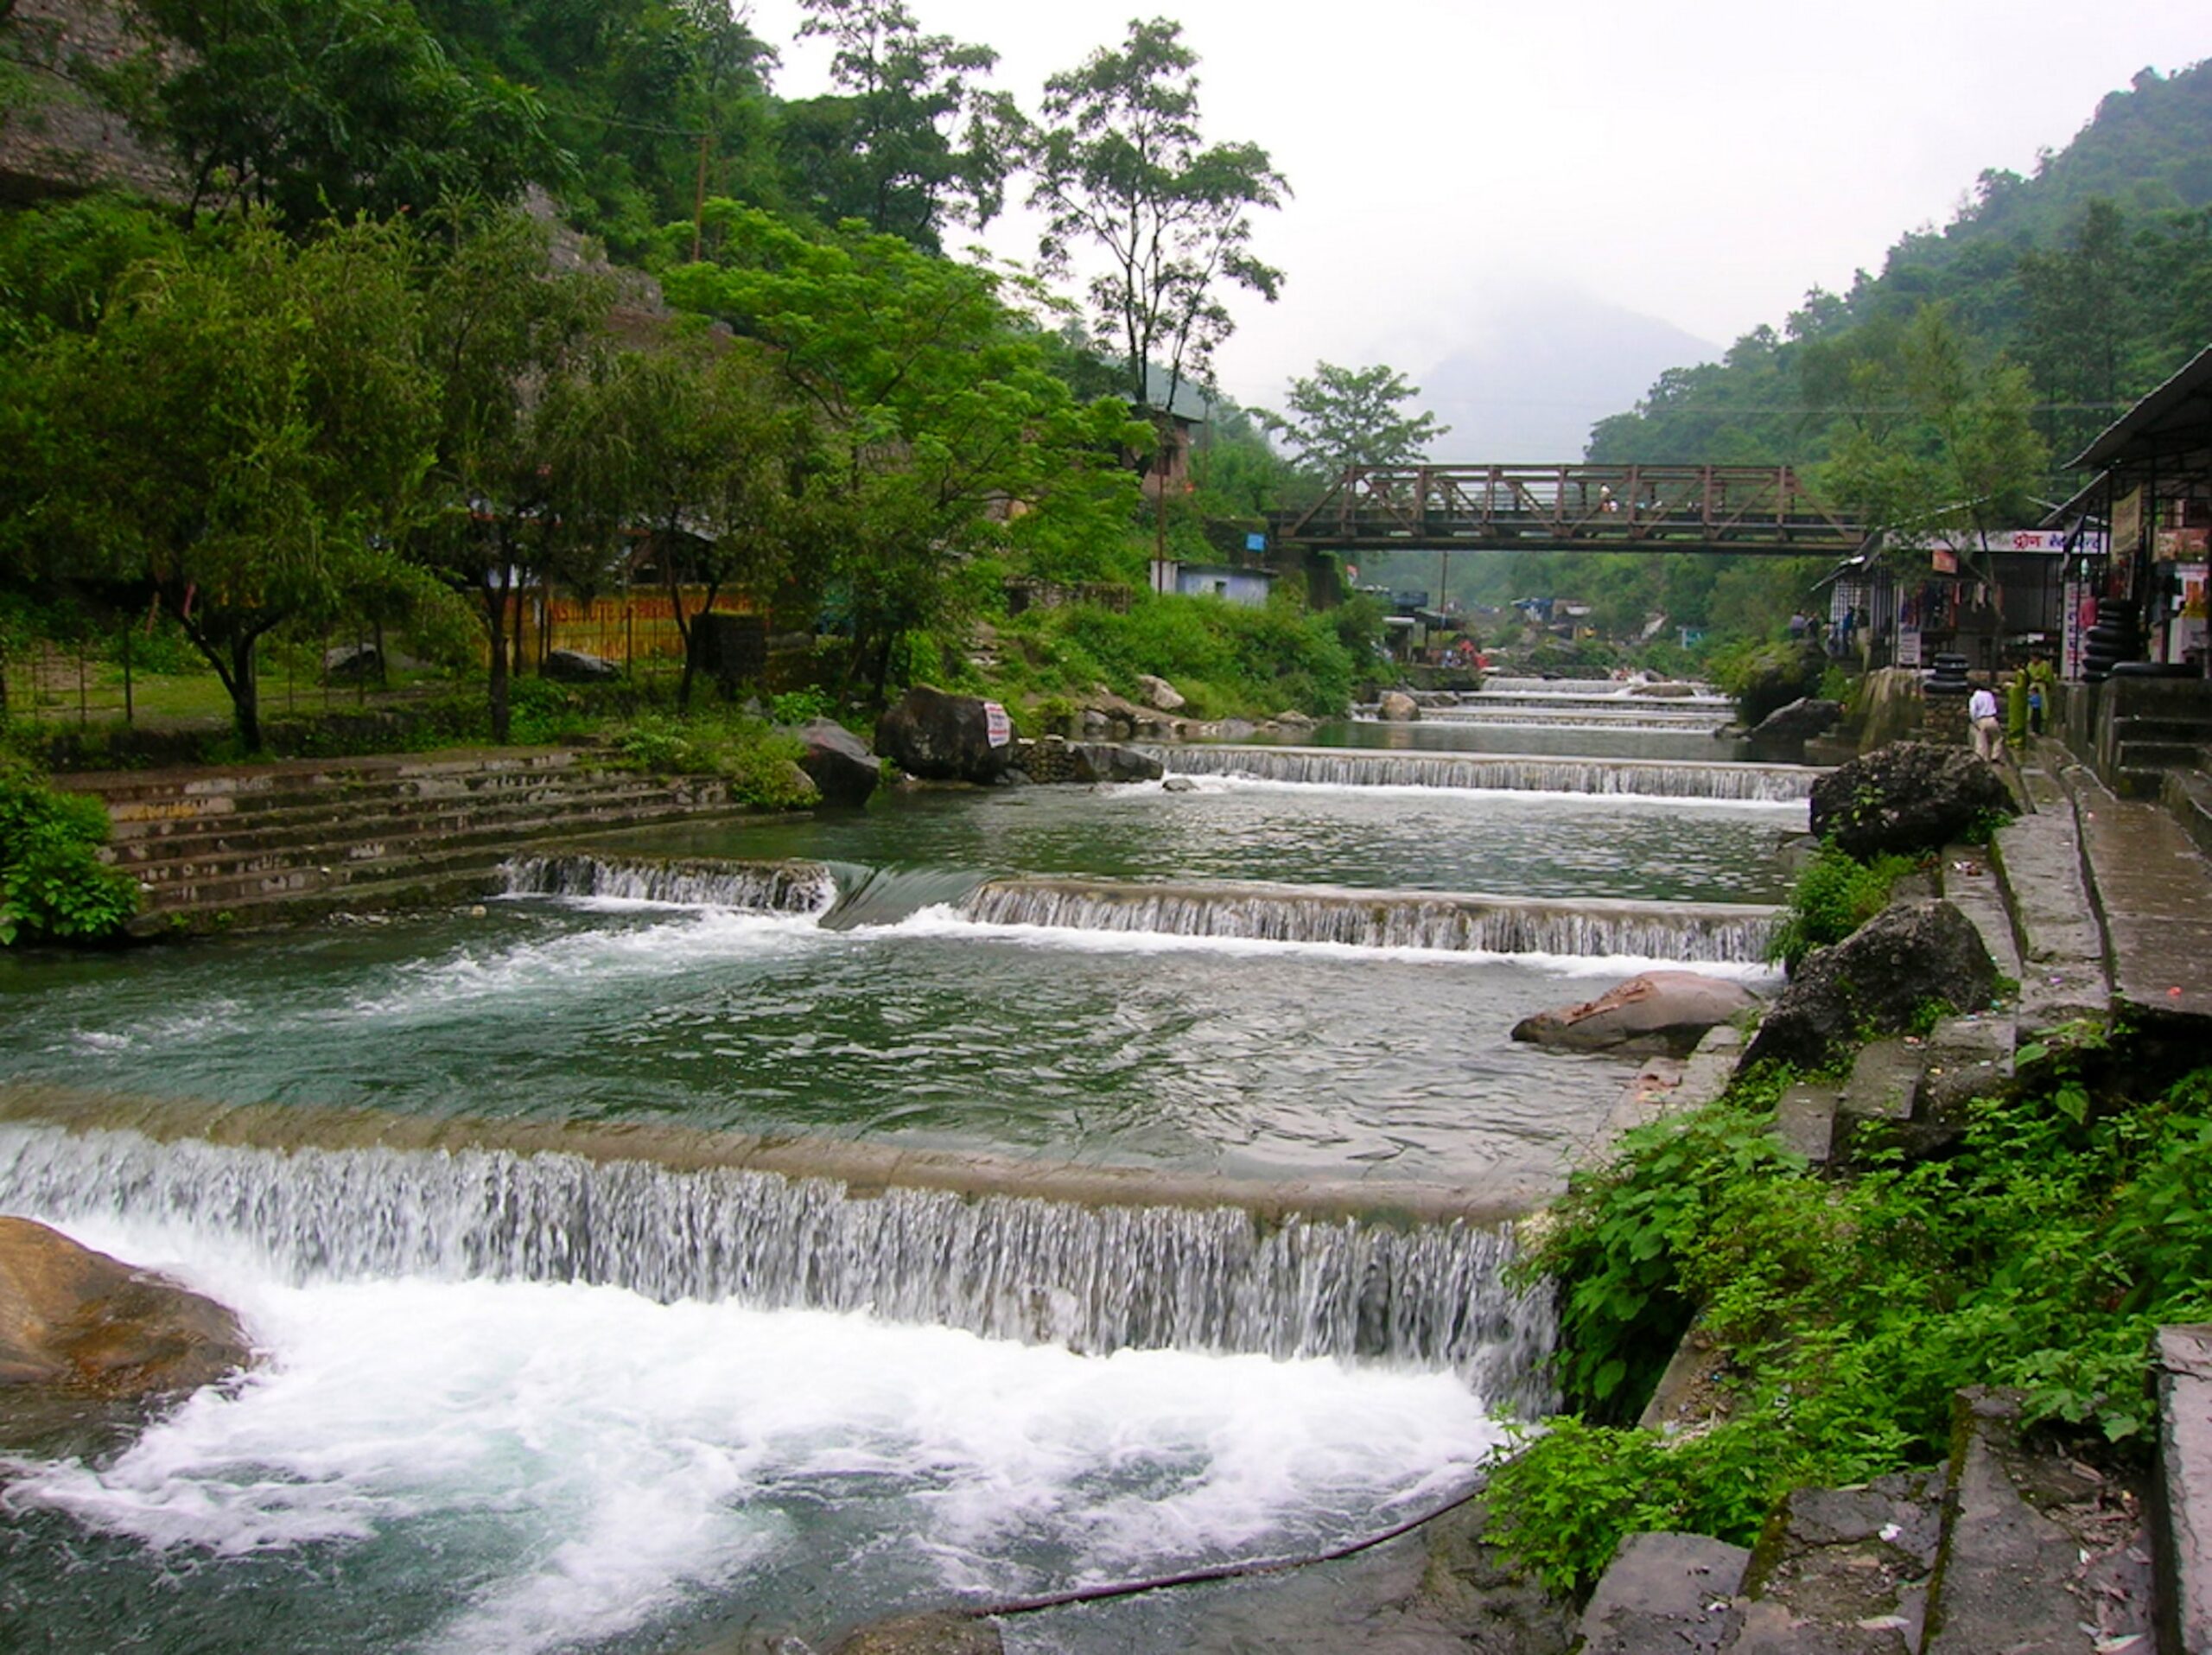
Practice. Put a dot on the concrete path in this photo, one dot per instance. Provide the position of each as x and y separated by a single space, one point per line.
2153 892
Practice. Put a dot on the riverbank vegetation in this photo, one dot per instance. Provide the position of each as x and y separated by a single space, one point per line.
2069 1224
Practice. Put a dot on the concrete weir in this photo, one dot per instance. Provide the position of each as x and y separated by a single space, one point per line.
1707 932
1095 1257
1502 772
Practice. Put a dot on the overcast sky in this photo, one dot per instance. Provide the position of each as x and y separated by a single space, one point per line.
1703 164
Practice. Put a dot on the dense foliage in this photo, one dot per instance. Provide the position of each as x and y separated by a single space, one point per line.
54 888
2071 1223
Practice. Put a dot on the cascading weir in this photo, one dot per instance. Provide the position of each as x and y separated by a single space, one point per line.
1707 933
1095 1278
801 888
1511 773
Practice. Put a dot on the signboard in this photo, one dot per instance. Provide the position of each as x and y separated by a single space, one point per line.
1944 560
1907 646
1255 543
2050 541
996 725
2127 521
2081 614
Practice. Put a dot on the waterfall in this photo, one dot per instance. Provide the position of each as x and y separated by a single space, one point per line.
1095 1278
1707 932
1517 773
770 887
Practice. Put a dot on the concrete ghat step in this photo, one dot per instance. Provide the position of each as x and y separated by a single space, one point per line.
2040 1557
2061 976
246 786
1667 1592
152 819
2187 795
2153 891
2182 1492
1842 1571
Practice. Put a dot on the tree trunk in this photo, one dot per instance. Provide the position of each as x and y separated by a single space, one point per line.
245 692
495 628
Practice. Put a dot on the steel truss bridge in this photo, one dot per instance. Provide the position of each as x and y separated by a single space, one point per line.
1733 510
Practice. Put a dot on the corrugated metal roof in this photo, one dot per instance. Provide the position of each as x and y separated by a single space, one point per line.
2183 403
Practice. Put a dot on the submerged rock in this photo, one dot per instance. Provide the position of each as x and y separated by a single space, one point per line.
1905 797
1658 1013
85 1338
1882 979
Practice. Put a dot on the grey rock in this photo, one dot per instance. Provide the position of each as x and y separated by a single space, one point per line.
353 664
1663 1591
941 737
1665 690
1397 708
1906 798
575 666
1659 1012
1877 980
1800 720
838 763
1160 694
1179 785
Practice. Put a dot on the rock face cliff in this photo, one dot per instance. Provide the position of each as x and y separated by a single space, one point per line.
61 140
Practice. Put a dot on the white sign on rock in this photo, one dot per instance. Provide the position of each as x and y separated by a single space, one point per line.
996 724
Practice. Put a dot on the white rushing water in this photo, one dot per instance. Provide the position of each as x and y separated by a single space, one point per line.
1370 767
480 1466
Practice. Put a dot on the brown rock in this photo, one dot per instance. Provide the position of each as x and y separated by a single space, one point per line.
1660 1013
81 1321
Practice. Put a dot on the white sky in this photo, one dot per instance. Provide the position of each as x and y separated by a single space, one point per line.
1702 162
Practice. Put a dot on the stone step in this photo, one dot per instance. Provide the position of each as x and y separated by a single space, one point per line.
134 819
2187 795
1805 1120
1842 1571
333 821
246 786
2040 864
2180 1492
2153 889
236 888
1664 1592
2040 1556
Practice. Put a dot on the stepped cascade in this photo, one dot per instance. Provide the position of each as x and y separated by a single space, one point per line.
1342 767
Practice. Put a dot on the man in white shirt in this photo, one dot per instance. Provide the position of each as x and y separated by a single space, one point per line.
1988 733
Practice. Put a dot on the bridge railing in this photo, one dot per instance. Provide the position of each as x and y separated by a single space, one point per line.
1749 508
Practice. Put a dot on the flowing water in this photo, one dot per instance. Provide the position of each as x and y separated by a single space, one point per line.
773 1227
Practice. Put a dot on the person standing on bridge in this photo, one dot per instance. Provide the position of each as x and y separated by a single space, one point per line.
1988 732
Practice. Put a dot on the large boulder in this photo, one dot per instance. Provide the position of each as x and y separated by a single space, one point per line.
1905 798
838 763
84 1335
1660 1014
1799 721
1777 675
1398 708
941 737
1162 695
1882 979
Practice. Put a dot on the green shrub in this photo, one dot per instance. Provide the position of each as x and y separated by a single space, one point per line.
52 885
2072 1221
1835 895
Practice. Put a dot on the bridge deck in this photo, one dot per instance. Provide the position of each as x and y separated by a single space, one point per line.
1738 511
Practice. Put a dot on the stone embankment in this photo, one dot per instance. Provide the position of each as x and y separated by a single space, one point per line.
271 843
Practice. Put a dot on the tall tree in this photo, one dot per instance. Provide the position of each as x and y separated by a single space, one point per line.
1120 167
503 336
242 434
1355 417
700 454
942 419
914 142
310 108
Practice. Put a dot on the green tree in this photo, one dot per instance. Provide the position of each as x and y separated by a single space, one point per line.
504 337
1355 417
942 422
308 108
1937 443
242 434
1121 168
698 452
2080 326
912 142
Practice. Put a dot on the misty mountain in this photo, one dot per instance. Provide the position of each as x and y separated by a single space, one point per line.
1546 367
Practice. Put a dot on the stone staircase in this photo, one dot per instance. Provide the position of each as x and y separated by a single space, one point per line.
2100 907
271 843
1998 1551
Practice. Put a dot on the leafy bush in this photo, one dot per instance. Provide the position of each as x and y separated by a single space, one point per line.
1835 895
760 764
52 885
2072 1222
1227 659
